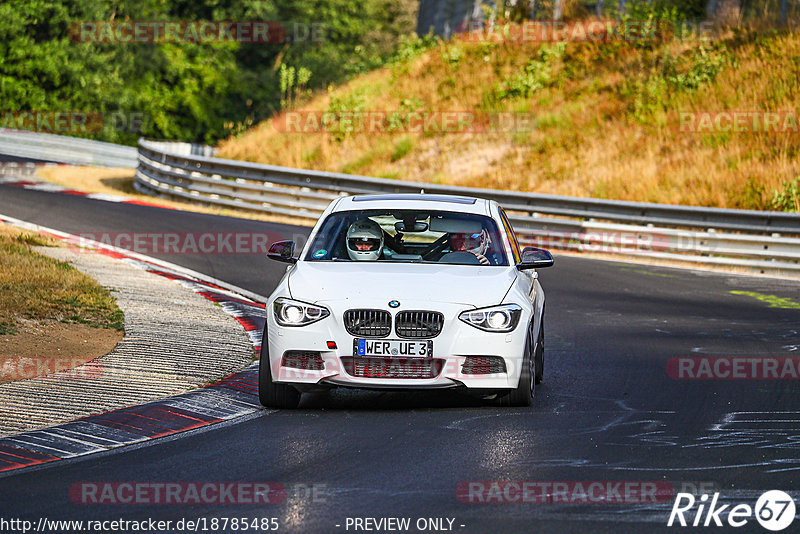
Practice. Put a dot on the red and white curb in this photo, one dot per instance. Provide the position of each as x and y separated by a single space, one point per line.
39 185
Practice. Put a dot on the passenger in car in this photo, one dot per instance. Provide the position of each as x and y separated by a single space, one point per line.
477 243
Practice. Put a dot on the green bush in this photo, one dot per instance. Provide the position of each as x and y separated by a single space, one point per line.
655 79
789 198
703 69
538 73
402 148
339 119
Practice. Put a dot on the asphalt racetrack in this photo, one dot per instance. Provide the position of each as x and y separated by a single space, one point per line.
613 409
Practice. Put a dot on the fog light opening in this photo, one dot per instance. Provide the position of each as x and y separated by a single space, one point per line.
306 360
483 365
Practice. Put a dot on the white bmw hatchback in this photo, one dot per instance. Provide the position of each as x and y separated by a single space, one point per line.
406 292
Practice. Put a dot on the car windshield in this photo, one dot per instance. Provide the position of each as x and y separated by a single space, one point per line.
417 236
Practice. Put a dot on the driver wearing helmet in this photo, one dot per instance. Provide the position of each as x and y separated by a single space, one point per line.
364 240
477 243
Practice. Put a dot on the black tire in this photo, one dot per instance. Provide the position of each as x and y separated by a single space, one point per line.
538 357
270 394
526 389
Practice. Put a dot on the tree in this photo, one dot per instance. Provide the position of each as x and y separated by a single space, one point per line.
558 9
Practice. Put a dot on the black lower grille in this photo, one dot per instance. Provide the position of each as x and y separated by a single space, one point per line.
392 367
483 365
306 360
419 324
368 323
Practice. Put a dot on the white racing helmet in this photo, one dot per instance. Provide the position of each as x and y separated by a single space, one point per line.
364 240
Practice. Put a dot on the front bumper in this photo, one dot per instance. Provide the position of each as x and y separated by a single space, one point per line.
456 342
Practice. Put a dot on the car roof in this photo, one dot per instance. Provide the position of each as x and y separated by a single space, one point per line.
419 201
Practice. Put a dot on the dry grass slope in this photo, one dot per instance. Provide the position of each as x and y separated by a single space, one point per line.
606 120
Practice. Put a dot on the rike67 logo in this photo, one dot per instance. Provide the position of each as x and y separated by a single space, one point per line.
774 511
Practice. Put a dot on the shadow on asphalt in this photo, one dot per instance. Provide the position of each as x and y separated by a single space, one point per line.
371 400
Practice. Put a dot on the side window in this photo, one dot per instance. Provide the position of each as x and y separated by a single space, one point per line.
512 237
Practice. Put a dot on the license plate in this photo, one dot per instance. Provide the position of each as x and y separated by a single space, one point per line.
399 348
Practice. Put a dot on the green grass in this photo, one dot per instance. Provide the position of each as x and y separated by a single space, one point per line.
402 148
36 287
773 301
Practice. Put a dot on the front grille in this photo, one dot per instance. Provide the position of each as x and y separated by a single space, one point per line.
392 367
307 360
368 323
419 324
483 365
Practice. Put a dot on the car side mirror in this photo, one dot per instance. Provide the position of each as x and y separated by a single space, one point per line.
535 258
282 251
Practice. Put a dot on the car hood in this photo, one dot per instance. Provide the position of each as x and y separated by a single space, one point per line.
379 282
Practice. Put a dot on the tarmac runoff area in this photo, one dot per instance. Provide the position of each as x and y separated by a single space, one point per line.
175 340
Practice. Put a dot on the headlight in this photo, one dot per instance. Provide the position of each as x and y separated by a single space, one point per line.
290 312
502 318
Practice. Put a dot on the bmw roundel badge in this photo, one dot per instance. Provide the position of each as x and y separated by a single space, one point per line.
394 303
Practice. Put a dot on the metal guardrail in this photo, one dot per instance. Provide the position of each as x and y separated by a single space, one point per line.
65 149
20 170
766 241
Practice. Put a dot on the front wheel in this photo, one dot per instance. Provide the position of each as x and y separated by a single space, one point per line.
525 390
271 394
